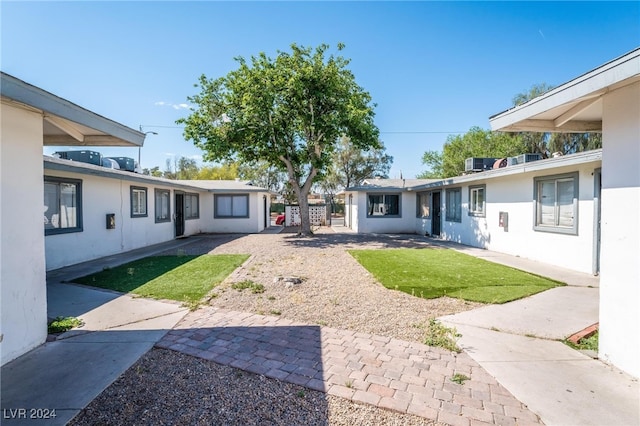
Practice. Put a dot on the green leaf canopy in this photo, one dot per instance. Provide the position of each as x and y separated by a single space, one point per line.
289 111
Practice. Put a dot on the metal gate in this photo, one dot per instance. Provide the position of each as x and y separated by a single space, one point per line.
317 215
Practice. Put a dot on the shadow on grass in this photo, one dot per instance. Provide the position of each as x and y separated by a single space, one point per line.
182 278
130 276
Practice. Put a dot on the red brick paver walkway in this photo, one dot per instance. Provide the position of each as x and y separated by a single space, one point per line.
389 373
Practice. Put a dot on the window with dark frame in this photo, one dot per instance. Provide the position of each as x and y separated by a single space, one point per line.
231 206
62 205
477 200
556 203
453 205
383 205
138 201
163 205
191 206
423 204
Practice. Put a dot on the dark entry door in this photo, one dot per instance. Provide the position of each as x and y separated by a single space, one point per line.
435 219
597 190
266 213
350 211
179 218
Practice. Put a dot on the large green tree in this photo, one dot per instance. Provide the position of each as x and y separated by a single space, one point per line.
289 111
352 165
476 142
484 143
263 174
226 171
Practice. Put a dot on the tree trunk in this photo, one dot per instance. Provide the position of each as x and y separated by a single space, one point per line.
302 192
305 221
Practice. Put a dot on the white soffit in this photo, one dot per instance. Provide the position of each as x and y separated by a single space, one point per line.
575 106
65 123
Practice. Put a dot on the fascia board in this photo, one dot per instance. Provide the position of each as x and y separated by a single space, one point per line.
583 87
93 170
34 97
550 163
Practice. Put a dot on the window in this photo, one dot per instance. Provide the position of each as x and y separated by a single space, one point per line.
231 206
477 201
454 205
62 205
138 201
163 209
423 204
383 205
556 203
191 206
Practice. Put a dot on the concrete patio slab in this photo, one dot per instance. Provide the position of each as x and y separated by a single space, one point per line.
559 384
553 314
68 373
65 375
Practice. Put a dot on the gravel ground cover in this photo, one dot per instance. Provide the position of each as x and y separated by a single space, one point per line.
166 387
170 388
335 290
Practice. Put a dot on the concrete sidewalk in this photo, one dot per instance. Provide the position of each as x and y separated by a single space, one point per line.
67 374
519 343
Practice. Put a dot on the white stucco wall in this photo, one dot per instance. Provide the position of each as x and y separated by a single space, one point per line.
22 271
253 224
403 224
351 210
514 194
100 196
619 341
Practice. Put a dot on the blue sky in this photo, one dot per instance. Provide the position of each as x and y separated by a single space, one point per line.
432 68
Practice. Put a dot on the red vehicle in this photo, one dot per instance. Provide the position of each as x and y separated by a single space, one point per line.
280 219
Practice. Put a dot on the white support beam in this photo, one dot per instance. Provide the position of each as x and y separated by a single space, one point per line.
89 140
574 111
542 126
65 126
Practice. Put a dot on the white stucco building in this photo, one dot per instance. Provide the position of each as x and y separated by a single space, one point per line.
606 99
500 210
57 212
579 211
31 118
118 211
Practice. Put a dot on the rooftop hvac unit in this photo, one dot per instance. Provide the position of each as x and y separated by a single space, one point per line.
512 161
109 163
84 156
475 164
125 163
527 158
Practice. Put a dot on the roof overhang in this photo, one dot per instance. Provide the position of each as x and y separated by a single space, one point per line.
52 163
65 123
224 186
548 164
574 107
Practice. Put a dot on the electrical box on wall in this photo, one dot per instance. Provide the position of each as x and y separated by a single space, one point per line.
111 221
503 221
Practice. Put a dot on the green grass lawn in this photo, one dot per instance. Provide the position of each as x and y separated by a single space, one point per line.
432 273
182 278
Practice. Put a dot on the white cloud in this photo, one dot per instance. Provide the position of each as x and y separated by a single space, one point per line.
174 106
